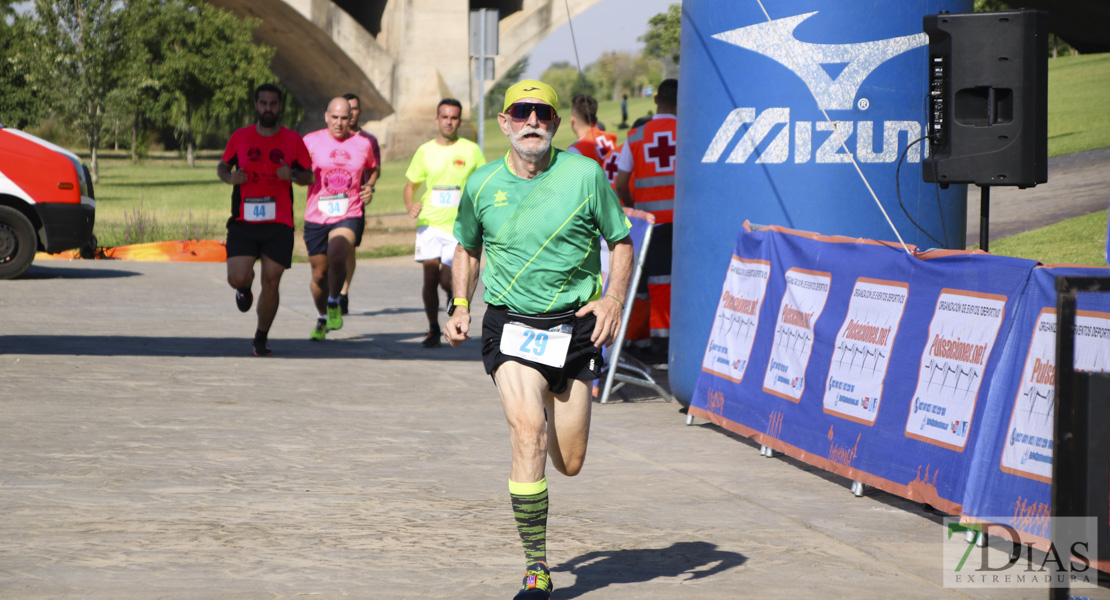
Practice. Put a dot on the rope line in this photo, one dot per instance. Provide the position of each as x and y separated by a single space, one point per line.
843 145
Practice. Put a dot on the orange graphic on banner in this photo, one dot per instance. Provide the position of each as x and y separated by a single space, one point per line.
774 425
842 454
1031 517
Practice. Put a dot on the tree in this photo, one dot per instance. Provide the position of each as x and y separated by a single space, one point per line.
135 100
79 44
662 38
566 81
495 97
617 73
211 65
21 102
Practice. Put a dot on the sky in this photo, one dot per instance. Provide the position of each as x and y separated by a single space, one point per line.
607 25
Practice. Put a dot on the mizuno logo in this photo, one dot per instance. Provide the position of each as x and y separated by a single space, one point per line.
775 40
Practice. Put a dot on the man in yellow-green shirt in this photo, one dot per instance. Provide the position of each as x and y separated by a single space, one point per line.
443 166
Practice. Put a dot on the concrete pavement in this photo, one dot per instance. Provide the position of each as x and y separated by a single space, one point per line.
144 453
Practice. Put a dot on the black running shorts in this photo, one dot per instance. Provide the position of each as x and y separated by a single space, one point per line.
584 361
316 235
275 240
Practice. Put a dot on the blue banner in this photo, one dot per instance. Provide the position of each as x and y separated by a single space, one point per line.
859 357
1011 474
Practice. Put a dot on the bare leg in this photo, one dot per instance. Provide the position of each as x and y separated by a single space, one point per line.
445 282
340 243
240 271
563 432
269 298
318 282
522 390
568 427
351 262
429 293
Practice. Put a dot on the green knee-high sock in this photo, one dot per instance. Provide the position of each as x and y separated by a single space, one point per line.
530 509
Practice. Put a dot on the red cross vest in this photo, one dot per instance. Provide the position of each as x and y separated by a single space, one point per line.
654 147
596 144
609 165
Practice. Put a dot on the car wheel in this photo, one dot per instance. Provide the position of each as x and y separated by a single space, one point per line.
17 243
89 248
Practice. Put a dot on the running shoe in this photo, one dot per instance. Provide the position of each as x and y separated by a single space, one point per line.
335 318
431 339
319 331
244 301
343 304
537 584
261 349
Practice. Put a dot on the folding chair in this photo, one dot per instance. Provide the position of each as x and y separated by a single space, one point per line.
628 369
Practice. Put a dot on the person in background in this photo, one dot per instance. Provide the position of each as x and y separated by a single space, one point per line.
261 162
648 158
334 215
442 165
369 179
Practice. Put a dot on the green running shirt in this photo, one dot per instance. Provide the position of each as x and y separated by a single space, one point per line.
541 234
445 168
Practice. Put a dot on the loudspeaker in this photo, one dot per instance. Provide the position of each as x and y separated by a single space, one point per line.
988 98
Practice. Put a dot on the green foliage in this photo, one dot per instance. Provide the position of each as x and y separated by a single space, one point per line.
21 89
990 5
567 82
617 73
209 68
662 38
131 67
79 44
495 97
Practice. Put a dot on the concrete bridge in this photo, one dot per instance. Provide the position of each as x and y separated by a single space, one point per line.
399 56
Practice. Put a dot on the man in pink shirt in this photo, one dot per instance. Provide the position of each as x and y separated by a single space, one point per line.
368 180
333 215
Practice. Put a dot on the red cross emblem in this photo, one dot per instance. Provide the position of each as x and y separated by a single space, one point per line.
611 166
661 151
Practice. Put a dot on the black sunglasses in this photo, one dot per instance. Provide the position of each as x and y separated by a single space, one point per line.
523 110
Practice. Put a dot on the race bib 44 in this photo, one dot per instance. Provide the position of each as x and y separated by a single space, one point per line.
257 210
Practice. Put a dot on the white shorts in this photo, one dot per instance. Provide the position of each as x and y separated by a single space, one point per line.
432 242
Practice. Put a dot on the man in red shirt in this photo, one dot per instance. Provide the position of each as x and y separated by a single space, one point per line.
262 161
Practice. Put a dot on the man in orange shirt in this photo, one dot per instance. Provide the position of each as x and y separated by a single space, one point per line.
592 141
648 159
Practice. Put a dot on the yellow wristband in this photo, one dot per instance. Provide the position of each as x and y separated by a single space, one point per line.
461 302
614 298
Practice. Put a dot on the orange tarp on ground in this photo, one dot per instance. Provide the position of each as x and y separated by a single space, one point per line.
179 251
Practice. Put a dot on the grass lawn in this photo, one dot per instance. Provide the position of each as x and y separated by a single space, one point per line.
1079 241
1078 105
162 199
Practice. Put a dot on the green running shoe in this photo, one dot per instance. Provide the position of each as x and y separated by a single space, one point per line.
335 317
537 583
320 331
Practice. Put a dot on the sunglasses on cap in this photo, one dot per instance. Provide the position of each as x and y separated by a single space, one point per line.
523 110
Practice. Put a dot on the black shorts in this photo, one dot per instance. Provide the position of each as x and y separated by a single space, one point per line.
584 361
275 240
316 235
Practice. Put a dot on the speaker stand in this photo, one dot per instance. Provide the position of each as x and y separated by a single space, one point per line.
984 215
